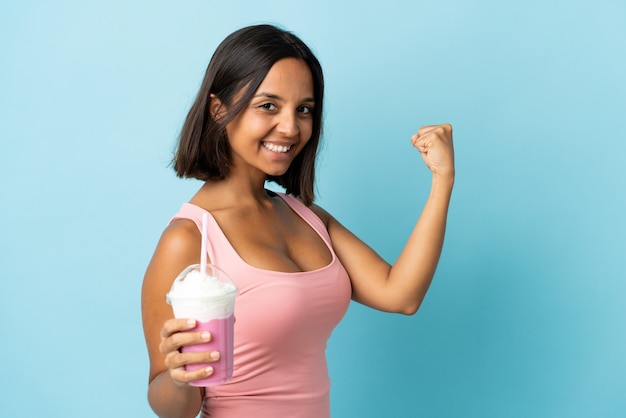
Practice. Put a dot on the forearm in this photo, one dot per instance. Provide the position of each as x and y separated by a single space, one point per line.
169 400
414 269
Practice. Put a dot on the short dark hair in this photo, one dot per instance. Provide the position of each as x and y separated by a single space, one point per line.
236 70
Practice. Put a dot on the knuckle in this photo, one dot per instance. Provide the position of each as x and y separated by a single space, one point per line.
439 132
168 329
178 339
170 360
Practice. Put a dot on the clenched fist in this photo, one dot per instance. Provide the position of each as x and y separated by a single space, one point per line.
435 144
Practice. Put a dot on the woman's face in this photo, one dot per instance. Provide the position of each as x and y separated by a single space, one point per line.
277 123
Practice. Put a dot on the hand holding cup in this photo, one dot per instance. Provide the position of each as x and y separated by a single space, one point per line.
206 295
175 334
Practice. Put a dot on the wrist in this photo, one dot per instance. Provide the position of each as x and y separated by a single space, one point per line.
443 179
170 399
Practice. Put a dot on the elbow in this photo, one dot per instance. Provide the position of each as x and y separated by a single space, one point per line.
410 304
410 308
409 311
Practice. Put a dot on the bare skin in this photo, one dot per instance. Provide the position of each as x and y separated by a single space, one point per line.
267 234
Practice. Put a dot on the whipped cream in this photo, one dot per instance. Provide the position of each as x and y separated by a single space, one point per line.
197 285
201 296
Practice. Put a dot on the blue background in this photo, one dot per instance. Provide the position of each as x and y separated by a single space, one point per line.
526 315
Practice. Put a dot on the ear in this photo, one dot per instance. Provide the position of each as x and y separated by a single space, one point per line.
215 107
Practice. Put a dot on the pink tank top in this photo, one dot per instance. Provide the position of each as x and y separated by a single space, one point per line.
283 321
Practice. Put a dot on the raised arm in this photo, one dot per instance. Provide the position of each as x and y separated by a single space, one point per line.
401 287
169 394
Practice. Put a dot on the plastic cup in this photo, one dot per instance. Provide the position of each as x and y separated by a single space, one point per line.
210 300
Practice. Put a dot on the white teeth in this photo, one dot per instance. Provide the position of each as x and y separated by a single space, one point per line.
276 148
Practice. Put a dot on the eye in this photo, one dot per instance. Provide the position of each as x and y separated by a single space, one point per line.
306 110
268 106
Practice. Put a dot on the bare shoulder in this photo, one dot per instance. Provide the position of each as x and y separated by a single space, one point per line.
321 213
180 236
178 247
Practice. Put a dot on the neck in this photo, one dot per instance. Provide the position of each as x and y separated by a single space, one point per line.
231 191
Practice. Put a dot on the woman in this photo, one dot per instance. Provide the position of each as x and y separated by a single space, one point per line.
258 117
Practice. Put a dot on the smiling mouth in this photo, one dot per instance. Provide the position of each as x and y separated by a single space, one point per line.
277 148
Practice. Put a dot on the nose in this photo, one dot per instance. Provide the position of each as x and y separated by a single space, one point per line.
288 124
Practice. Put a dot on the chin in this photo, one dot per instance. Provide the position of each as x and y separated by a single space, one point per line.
276 173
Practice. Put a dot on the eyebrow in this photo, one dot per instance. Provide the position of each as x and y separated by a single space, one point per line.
276 97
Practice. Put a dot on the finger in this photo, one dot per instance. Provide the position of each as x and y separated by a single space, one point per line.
180 339
444 127
200 357
176 359
186 376
420 139
424 130
186 367
423 143
423 148
172 326
442 132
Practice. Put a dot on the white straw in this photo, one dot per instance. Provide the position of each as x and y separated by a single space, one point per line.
205 220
